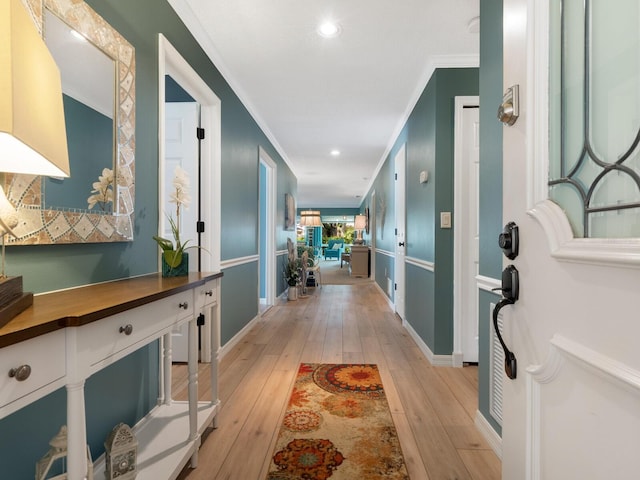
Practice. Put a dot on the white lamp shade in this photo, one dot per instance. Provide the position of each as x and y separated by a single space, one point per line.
33 137
360 222
310 218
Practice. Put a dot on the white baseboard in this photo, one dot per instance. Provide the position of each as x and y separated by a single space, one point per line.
457 359
389 301
435 360
237 338
489 434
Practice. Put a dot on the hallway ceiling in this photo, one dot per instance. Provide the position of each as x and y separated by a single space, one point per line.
352 93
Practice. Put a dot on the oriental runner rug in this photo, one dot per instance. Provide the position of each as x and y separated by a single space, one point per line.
337 426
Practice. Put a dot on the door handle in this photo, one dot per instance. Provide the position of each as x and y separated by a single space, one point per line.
401 244
510 362
510 290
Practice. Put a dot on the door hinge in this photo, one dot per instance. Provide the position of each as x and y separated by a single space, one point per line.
200 320
200 226
395 286
396 232
395 176
200 133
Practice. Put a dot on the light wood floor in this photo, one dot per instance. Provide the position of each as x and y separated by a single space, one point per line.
433 407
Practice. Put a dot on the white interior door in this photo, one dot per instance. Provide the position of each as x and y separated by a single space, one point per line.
573 411
268 234
466 234
400 216
181 149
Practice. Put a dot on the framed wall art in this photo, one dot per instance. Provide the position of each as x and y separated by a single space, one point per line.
289 212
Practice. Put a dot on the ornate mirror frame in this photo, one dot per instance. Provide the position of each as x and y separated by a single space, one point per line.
38 225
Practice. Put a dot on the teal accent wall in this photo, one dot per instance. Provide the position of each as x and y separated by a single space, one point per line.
429 138
332 211
384 187
490 184
450 83
384 271
421 303
50 267
173 92
90 145
240 288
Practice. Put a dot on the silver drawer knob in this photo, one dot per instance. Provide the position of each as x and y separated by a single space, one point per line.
21 373
127 329
209 293
183 305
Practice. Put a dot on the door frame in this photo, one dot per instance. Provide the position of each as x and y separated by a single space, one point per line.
171 62
459 204
270 228
372 233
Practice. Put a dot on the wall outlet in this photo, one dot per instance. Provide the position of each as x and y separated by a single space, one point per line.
445 219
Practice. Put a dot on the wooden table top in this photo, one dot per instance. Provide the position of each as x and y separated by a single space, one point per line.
78 306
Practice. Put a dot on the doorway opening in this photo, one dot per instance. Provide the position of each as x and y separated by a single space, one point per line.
204 175
466 228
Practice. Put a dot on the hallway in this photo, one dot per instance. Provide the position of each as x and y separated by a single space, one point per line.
433 407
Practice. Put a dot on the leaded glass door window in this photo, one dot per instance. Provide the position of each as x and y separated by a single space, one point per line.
594 115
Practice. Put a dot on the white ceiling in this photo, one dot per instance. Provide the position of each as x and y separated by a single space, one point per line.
352 93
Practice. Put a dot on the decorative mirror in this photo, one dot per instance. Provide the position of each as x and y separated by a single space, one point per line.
96 204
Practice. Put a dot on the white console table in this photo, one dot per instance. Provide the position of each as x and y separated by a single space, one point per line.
67 336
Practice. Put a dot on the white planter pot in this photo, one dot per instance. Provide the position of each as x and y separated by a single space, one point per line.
293 293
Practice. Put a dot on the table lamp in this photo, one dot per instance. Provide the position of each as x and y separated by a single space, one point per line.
359 225
33 137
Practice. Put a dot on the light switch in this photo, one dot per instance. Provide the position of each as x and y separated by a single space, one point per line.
445 219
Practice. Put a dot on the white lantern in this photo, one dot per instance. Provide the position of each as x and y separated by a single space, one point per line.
121 451
58 451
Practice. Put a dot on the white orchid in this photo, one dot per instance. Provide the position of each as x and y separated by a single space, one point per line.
102 190
180 196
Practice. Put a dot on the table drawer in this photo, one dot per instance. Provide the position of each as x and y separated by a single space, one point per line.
206 294
109 339
41 360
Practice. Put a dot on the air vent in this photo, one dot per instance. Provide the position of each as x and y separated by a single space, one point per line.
497 371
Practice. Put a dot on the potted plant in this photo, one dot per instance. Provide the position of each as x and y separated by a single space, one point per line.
175 260
292 277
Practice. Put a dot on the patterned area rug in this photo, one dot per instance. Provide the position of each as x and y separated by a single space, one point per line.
338 426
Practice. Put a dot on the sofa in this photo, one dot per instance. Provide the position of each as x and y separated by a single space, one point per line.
334 249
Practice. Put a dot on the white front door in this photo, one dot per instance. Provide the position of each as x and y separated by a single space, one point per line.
400 249
573 410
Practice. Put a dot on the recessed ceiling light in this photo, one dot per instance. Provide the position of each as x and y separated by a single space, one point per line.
335 153
329 29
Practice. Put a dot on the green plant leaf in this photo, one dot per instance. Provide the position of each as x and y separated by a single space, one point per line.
173 257
163 243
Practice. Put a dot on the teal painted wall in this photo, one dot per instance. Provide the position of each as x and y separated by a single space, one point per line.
429 138
90 149
421 303
51 267
490 182
384 273
450 83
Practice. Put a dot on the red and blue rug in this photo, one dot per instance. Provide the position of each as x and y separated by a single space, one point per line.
337 426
